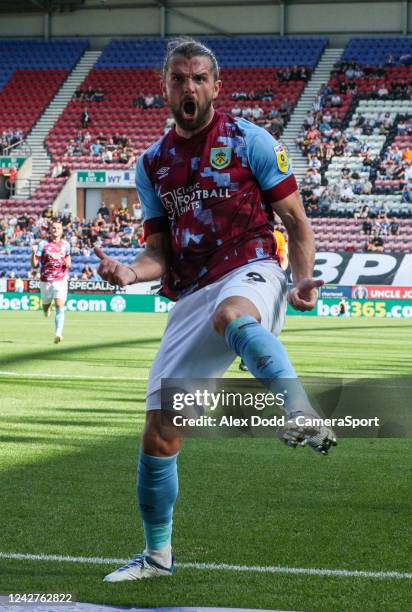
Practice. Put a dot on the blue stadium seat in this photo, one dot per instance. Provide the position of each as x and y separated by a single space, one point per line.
245 51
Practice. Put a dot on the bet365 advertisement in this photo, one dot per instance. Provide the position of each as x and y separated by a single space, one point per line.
334 301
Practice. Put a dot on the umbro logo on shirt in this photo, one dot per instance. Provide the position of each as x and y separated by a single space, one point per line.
163 172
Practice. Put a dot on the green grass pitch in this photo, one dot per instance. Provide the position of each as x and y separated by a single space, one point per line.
68 448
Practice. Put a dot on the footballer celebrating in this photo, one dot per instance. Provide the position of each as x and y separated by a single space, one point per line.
53 257
209 189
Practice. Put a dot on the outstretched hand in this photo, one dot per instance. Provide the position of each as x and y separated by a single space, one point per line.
113 271
304 294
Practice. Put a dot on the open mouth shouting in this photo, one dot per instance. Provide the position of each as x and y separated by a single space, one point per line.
189 108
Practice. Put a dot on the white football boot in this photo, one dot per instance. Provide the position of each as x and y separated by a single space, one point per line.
318 438
141 566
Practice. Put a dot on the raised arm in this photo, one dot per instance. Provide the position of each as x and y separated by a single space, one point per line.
149 265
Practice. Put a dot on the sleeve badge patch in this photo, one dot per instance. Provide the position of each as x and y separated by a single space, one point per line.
282 158
220 157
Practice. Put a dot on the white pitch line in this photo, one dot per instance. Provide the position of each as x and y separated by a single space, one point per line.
221 566
69 376
136 378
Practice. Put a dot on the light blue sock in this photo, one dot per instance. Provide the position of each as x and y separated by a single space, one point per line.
157 489
59 321
267 359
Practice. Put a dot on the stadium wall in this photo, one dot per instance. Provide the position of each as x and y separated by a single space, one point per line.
102 21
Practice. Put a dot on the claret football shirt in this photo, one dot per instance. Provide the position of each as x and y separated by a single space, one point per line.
211 193
52 257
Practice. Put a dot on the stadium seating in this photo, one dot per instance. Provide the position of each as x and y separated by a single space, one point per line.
45 194
18 260
372 55
31 72
333 235
374 51
129 68
230 52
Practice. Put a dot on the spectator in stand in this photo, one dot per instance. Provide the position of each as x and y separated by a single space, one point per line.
383 92
94 276
48 212
335 100
12 180
247 112
158 102
85 118
406 195
137 211
89 93
285 109
58 170
367 226
405 59
66 220
139 101
309 120
98 96
314 162
394 227
386 124
107 155
390 59
346 192
375 244
123 213
236 110
239 95
96 149
87 272
103 211
267 94
257 113
149 100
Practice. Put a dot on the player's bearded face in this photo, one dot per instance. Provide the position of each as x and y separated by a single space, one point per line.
190 88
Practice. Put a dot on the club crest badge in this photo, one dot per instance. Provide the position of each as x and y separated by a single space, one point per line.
282 158
220 157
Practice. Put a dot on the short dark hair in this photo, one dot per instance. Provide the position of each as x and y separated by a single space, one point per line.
188 47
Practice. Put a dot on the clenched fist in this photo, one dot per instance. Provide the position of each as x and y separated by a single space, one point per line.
113 271
303 295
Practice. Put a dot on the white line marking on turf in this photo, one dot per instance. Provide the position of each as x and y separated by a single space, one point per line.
136 378
69 376
219 566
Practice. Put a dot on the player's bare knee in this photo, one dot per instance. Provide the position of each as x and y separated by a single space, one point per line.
156 445
154 442
225 313
222 317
